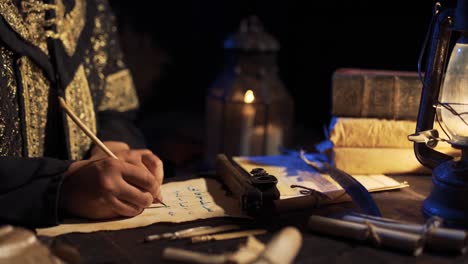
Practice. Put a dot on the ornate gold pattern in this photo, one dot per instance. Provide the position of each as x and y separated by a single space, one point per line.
12 16
2 136
10 140
32 27
78 98
35 85
116 89
119 94
99 46
35 93
35 19
69 26
95 59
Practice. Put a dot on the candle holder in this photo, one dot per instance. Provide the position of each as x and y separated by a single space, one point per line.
248 109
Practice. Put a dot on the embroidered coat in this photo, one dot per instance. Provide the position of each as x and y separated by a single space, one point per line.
51 48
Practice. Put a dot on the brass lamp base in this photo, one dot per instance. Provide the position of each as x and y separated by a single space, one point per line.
449 195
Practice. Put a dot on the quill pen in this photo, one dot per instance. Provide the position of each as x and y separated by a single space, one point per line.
358 193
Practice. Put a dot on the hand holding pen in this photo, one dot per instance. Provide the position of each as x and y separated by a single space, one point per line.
143 158
107 187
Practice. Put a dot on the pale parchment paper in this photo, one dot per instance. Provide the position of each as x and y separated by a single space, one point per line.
351 132
378 146
188 200
291 170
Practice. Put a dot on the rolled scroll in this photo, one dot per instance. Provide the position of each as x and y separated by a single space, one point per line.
282 248
437 239
380 237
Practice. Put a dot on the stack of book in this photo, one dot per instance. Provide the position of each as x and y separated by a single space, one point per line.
373 112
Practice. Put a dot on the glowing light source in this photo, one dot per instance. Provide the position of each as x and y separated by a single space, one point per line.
249 97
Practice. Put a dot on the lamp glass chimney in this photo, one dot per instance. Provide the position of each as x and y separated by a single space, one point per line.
453 106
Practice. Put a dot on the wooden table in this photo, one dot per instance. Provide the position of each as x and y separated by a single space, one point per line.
125 246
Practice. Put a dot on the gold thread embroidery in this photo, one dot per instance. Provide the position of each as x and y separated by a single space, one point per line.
35 84
31 28
99 44
95 59
3 145
78 97
118 88
69 26
35 19
12 16
2 133
10 137
35 93
119 94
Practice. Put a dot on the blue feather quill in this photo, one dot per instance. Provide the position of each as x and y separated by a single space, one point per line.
358 193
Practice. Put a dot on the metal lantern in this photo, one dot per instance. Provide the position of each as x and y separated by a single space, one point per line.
444 99
248 109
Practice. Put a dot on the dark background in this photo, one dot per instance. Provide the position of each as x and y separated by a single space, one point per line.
175 49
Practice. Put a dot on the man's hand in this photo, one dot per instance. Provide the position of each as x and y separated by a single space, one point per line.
143 158
107 188
114 146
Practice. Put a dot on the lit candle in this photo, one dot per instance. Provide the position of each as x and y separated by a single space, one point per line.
273 139
248 121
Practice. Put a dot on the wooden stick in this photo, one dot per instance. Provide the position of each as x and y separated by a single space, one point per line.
85 129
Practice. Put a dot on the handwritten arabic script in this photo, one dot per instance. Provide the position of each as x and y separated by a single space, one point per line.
187 200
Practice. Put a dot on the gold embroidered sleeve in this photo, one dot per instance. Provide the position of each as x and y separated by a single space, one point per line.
119 93
11 143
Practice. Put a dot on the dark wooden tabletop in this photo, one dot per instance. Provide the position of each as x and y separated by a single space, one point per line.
125 246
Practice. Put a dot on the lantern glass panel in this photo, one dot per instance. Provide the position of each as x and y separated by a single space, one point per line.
249 111
454 94
238 124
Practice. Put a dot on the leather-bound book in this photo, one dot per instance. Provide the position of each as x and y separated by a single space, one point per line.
376 93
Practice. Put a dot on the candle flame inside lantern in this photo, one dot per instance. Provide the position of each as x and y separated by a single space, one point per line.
249 97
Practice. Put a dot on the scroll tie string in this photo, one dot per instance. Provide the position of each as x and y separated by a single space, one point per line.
373 236
431 224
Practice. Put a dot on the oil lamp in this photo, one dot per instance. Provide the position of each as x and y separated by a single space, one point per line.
248 109
444 99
